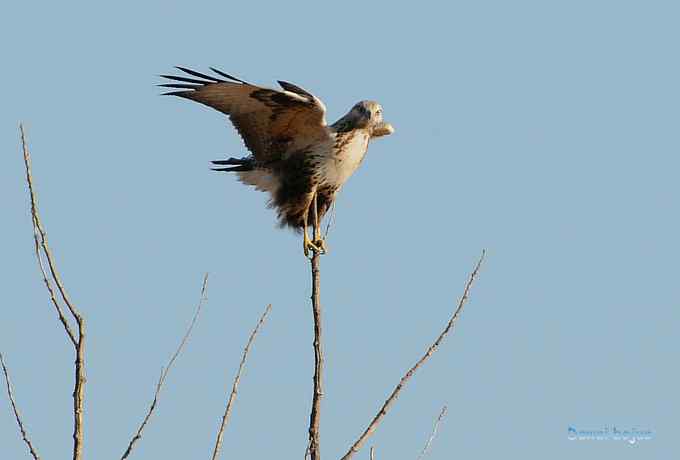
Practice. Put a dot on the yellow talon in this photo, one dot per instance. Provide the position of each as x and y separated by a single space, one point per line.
307 244
321 244
318 246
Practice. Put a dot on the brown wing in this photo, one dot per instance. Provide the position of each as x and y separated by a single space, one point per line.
271 123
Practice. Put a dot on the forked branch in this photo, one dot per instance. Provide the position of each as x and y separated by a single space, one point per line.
234 388
404 380
40 238
164 372
77 338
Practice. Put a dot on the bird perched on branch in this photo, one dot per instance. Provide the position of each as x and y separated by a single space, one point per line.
295 156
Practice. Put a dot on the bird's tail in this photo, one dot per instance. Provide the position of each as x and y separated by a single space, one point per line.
235 164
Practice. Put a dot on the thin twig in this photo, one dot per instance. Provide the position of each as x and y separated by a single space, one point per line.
234 388
43 235
434 433
331 221
78 342
315 415
393 396
164 371
17 416
372 453
40 237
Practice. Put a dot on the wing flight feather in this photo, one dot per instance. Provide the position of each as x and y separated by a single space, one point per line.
272 123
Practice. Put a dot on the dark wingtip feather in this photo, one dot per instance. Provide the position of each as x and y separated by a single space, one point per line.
234 169
180 86
199 75
226 75
175 93
187 80
232 161
294 88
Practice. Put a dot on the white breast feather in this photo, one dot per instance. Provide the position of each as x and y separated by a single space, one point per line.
335 169
340 167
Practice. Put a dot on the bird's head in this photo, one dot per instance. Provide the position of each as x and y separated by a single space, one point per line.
369 115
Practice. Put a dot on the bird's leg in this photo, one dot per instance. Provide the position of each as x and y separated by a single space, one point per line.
307 244
318 240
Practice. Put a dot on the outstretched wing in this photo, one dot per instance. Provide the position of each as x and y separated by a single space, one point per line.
271 123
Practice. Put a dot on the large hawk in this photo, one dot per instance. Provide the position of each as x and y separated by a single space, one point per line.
296 157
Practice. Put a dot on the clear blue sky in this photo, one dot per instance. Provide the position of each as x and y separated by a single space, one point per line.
546 132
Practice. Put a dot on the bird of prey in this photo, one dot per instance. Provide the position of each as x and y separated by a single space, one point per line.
295 156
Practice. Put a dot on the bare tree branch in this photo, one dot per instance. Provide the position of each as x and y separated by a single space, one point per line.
74 327
17 416
165 371
234 388
315 415
40 236
372 453
395 393
434 433
41 231
79 393
78 342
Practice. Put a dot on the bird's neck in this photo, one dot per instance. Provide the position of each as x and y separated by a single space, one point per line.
345 124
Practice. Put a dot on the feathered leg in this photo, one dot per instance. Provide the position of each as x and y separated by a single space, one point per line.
318 240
